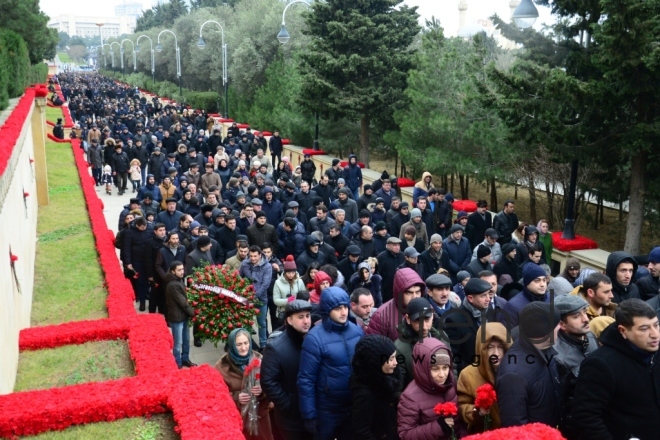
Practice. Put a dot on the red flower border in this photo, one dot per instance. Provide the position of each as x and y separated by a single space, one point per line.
533 431
158 387
578 244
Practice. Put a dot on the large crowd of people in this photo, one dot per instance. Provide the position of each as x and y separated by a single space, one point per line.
378 309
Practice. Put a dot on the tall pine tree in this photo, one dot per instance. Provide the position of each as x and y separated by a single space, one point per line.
358 61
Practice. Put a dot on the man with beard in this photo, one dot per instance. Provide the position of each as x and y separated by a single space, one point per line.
621 268
597 291
172 251
649 286
280 366
574 343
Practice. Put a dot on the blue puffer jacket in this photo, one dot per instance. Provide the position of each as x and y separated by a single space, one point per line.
325 363
353 174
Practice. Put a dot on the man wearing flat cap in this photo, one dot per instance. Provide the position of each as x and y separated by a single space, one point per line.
280 366
462 324
574 343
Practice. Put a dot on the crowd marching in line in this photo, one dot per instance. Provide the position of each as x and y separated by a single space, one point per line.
379 310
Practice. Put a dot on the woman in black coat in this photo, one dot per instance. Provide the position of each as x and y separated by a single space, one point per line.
376 384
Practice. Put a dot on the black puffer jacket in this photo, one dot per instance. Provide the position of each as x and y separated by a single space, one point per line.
648 286
621 293
279 376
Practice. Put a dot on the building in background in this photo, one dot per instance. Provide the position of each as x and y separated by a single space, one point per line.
86 26
132 9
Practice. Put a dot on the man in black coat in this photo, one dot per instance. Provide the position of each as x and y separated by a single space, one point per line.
120 166
228 234
157 292
323 189
337 240
505 223
481 220
172 251
527 378
201 256
364 240
621 268
133 257
649 286
279 369
617 395
462 324
261 232
349 264
434 258
388 261
275 146
394 227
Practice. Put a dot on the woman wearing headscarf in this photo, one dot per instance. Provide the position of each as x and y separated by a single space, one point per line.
434 383
232 366
365 278
545 238
376 385
490 352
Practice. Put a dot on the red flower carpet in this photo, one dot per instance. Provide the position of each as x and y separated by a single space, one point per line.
198 397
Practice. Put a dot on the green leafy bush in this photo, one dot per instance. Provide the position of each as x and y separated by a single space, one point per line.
203 100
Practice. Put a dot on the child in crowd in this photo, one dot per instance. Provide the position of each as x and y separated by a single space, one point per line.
136 174
107 179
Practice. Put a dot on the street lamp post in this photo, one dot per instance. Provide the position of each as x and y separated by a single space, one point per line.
151 45
105 59
122 55
159 49
201 44
112 54
100 25
283 37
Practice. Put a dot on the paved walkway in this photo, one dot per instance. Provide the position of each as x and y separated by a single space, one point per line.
113 205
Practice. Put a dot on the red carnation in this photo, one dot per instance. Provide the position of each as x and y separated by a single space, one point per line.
486 397
447 409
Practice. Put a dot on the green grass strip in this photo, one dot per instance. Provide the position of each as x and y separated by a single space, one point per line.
52 113
157 427
61 234
69 283
53 190
74 364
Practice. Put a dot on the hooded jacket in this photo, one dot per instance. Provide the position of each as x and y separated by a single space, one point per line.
473 376
308 257
373 283
417 420
325 363
621 293
617 396
315 295
387 318
353 174
260 275
421 188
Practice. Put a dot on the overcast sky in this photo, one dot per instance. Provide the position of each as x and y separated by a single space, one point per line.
444 10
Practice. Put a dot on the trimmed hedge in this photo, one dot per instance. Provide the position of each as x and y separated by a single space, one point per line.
37 74
14 66
203 100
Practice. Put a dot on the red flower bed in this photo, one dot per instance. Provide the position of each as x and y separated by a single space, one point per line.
465 205
286 141
11 129
198 398
239 125
534 431
226 120
404 182
312 152
578 244
267 133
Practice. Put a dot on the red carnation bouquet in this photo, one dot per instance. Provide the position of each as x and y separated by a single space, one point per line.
447 410
250 410
486 397
222 300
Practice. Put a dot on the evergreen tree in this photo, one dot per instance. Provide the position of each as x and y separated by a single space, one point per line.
358 61
26 19
590 92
